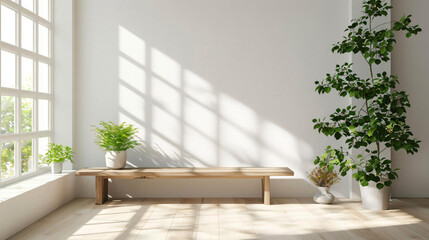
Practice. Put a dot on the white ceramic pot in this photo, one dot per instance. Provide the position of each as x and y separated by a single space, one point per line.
324 196
116 160
374 198
57 167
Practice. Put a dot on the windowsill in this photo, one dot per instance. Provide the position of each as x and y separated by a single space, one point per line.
15 189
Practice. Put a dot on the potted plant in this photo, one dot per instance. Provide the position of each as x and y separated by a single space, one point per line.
379 122
115 139
323 178
56 155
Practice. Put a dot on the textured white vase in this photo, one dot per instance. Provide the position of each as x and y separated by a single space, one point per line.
57 167
374 198
324 196
116 160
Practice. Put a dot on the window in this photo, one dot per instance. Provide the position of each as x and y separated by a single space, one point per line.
25 86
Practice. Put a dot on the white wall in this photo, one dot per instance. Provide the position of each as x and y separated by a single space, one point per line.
410 62
25 209
64 84
209 83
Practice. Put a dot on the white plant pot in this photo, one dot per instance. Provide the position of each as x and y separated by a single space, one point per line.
116 160
324 196
374 198
57 167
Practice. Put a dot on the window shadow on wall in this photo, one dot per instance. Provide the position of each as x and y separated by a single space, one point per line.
184 120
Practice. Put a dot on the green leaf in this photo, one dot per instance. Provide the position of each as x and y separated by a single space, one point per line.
324 156
352 129
316 161
327 90
380 185
337 135
371 131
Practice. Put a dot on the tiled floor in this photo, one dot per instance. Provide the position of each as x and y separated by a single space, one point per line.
286 218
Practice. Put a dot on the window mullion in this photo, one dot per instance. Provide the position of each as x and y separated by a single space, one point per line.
18 142
17 137
35 154
35 127
26 53
36 8
19 104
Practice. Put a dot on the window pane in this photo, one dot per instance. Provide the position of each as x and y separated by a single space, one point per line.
8 69
44 9
43 40
42 149
7 160
43 115
7 115
26 114
27 33
27 73
26 156
8 25
43 77
28 4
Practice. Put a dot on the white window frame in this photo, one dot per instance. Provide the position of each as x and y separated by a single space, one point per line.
19 52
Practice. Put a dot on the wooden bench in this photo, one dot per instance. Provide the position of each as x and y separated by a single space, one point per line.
103 174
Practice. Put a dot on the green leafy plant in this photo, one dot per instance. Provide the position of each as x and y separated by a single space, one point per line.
379 123
57 153
113 137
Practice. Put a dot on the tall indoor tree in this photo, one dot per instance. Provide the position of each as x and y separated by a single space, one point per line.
379 123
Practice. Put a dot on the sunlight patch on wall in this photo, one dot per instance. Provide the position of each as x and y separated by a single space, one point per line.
200 118
199 89
237 147
238 114
202 150
132 46
188 122
165 67
278 141
166 125
165 96
132 75
167 149
131 102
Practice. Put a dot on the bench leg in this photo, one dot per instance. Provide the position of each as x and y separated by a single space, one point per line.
101 189
266 189
262 180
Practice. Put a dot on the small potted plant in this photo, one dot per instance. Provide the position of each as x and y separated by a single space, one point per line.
116 139
323 177
56 155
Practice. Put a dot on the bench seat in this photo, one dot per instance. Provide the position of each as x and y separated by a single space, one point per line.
103 174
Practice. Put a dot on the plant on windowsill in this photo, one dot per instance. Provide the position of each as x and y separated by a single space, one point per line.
323 178
378 124
116 139
56 155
